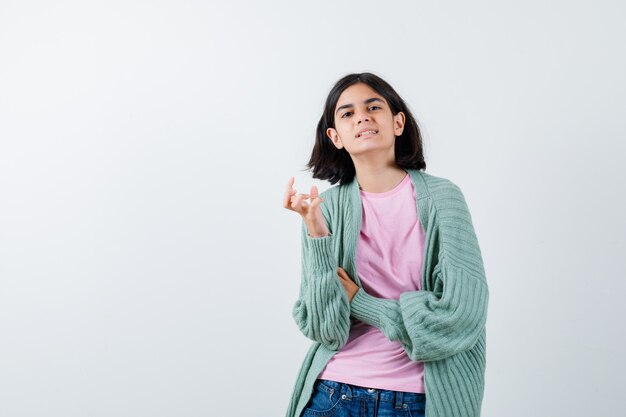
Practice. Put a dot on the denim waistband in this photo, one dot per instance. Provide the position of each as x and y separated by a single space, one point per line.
352 391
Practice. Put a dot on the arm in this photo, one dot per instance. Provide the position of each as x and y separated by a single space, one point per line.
433 325
430 325
322 311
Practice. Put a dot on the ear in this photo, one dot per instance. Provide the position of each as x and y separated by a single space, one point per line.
398 123
332 134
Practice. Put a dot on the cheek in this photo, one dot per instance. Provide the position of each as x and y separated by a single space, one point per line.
345 134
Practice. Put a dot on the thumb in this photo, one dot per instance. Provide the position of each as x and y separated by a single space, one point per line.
316 201
314 196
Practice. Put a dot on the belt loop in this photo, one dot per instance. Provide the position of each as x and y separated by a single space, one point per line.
399 399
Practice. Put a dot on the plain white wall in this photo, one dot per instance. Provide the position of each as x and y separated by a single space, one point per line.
147 267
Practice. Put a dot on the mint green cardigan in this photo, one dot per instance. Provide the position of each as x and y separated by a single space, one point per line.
442 325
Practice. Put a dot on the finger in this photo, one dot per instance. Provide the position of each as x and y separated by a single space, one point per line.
290 188
298 197
297 203
316 201
343 273
344 283
288 192
287 198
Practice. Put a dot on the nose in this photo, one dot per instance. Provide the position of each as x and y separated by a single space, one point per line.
362 116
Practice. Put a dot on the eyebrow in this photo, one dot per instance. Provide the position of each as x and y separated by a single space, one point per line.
369 100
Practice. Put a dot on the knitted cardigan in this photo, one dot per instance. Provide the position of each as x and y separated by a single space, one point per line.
442 325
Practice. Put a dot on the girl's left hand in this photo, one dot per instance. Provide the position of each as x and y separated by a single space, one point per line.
349 285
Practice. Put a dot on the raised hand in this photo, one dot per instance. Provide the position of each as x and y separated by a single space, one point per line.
310 211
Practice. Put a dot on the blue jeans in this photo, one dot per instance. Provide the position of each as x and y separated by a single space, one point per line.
330 398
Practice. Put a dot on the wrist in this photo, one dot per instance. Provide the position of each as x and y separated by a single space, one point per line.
315 232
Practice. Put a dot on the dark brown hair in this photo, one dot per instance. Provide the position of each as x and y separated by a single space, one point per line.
332 164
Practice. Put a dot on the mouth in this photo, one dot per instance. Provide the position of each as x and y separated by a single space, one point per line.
366 133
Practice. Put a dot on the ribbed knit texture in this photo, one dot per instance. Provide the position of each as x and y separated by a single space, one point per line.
442 325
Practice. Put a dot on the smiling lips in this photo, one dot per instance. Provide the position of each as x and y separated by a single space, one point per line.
366 133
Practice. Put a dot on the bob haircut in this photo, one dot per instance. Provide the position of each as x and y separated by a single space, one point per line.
332 164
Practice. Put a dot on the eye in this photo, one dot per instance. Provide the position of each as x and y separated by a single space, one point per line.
372 107
343 115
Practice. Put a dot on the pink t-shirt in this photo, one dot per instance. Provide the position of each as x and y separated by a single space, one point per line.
389 262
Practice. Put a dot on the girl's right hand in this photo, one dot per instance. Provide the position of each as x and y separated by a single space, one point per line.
311 212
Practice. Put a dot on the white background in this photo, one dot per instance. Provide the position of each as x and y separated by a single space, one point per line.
147 266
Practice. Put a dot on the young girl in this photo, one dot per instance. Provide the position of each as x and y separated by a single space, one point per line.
405 335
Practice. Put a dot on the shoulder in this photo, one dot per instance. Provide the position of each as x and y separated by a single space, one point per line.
447 199
453 219
441 188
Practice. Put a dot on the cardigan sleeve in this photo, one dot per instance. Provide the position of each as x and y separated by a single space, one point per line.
322 310
429 325
433 325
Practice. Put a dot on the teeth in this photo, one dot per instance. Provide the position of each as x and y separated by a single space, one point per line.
364 133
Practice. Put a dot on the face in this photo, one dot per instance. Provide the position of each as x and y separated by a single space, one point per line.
364 122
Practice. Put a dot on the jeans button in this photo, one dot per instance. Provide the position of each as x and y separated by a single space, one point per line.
343 396
371 389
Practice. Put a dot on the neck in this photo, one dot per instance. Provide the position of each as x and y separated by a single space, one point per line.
378 178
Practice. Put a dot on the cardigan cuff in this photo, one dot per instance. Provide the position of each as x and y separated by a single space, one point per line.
321 252
368 308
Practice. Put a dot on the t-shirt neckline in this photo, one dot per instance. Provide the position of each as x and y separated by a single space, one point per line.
388 193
